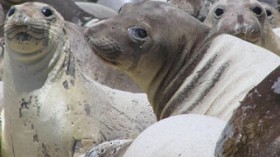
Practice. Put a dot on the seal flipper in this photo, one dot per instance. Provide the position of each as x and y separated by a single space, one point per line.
113 148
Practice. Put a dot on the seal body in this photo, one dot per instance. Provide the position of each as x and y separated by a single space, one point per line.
191 70
50 107
246 20
183 135
252 130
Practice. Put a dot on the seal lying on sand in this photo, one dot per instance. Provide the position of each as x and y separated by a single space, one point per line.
50 107
189 70
246 20
253 130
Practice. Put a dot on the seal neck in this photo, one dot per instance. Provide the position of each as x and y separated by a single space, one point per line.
174 72
29 72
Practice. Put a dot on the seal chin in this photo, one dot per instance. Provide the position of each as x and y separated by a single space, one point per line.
25 43
252 37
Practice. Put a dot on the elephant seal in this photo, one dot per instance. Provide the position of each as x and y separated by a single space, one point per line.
246 20
51 108
190 70
187 135
253 130
67 8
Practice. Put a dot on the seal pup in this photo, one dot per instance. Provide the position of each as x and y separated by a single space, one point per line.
50 107
246 20
190 70
67 8
253 130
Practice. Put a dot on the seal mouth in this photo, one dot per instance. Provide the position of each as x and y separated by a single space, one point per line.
251 37
25 32
25 39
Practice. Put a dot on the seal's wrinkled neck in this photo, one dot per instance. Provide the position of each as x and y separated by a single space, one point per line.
179 65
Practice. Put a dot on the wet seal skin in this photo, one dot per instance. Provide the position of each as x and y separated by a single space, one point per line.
51 107
247 20
253 130
190 70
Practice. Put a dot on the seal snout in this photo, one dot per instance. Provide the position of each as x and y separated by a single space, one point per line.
106 48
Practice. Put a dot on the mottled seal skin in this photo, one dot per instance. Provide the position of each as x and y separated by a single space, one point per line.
253 130
246 20
51 108
190 70
68 9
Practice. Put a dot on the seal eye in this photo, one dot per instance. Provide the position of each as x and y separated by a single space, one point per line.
137 34
219 12
47 12
268 13
11 11
140 33
257 10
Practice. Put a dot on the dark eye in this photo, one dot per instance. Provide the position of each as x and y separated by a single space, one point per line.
257 10
11 11
219 12
140 33
268 13
47 12
137 34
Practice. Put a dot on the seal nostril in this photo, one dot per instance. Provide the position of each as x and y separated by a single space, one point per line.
11 11
219 12
257 10
47 12
268 13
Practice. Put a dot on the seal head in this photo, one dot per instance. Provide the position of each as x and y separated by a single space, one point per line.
33 37
136 41
244 20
